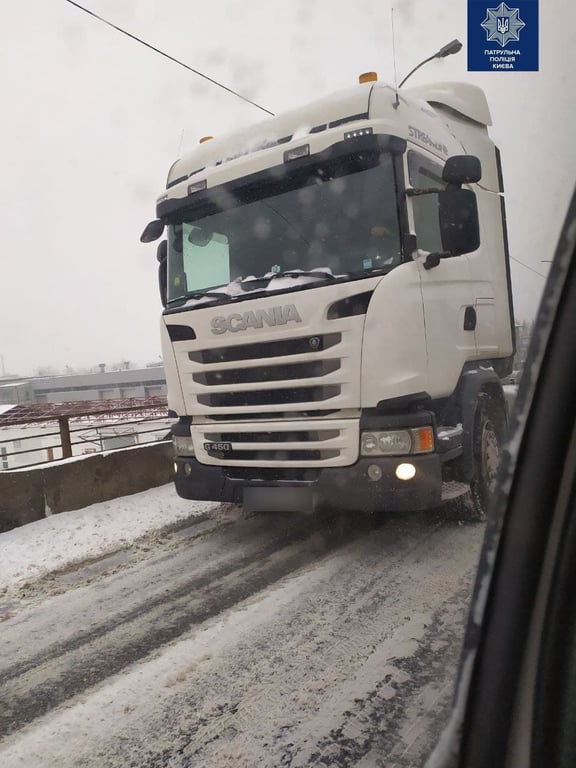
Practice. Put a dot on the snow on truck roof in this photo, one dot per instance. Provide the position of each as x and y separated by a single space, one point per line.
468 100
337 109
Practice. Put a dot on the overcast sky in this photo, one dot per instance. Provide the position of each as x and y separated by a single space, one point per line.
91 122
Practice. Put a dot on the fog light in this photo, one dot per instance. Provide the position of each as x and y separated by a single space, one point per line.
405 471
175 468
188 469
374 472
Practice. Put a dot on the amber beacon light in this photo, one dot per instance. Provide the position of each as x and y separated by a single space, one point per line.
368 77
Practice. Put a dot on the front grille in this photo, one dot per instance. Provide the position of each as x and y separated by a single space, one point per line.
282 372
288 444
289 455
268 415
272 437
273 376
269 397
266 349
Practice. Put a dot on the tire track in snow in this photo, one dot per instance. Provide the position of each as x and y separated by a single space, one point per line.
347 661
332 697
267 550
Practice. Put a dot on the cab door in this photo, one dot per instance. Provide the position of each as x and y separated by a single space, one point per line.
447 293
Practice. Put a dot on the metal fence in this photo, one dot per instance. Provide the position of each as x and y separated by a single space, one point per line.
44 432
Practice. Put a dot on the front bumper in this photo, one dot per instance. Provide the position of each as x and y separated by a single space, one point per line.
346 488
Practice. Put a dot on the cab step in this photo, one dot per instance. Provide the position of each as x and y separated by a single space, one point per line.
453 490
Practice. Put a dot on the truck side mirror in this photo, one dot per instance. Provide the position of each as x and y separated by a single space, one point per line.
459 223
462 169
152 231
161 255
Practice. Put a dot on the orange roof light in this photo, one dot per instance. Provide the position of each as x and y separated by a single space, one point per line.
368 77
205 138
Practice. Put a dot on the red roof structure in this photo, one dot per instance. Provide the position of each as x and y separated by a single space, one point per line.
35 412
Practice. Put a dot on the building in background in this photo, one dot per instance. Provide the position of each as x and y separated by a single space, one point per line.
104 385
36 442
15 391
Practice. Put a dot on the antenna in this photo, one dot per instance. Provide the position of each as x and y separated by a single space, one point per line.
397 102
446 50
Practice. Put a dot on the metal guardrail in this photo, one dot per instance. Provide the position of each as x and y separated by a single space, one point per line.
86 423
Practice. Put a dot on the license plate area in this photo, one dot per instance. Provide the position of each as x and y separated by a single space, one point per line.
273 499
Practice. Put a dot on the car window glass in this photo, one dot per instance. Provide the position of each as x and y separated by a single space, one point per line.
425 174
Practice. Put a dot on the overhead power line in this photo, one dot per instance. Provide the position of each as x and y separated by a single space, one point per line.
215 82
172 58
526 266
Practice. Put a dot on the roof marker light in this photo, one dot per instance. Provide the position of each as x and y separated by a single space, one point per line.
358 132
296 152
205 138
198 186
368 77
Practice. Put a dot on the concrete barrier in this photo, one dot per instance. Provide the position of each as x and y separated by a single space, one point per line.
30 494
21 499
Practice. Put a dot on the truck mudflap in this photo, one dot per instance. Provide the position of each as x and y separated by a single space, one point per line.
370 485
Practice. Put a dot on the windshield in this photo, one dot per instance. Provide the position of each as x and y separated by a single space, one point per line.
336 221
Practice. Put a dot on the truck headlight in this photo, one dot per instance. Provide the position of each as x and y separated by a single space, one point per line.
183 445
397 442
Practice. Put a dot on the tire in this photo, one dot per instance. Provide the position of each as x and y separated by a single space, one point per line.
489 430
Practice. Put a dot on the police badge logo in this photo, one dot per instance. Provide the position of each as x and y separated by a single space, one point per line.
503 24
503 38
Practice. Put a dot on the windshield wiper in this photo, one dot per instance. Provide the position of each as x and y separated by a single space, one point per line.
371 271
302 273
178 301
210 294
265 279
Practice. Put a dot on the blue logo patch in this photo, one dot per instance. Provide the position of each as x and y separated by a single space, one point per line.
501 37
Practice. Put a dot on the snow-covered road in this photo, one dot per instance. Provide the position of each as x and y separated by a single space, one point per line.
211 639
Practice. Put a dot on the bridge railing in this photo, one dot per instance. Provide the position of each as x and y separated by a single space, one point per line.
41 433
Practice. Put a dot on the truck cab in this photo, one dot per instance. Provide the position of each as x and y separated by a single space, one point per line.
337 305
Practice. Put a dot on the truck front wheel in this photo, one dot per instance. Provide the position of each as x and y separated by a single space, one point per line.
489 431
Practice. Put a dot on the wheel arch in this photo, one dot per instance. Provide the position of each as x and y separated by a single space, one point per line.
477 384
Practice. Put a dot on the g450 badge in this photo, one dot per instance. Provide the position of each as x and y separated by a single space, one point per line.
217 447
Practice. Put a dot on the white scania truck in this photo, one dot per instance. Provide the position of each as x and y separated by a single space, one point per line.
337 304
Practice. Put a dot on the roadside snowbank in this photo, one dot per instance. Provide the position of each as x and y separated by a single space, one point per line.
34 550
510 393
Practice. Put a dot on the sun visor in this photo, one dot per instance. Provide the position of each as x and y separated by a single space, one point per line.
468 100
